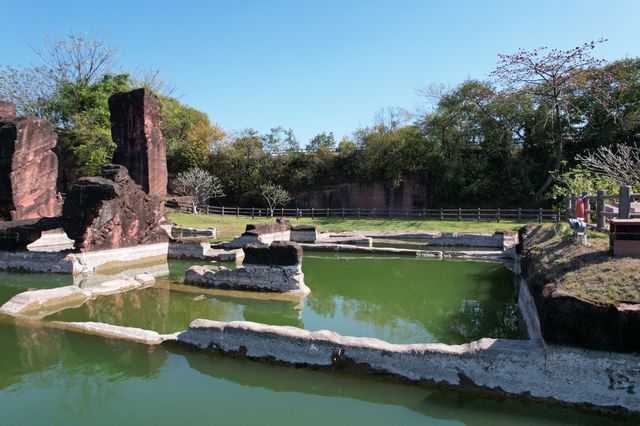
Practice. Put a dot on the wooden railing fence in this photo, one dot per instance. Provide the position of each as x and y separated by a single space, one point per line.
476 214
603 205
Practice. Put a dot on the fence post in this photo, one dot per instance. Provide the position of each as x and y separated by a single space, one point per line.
441 214
343 212
587 206
498 215
297 213
624 205
358 212
519 214
478 214
222 211
253 212
600 209
207 209
540 215
281 211
312 212
424 213
374 212
260 213
459 213
237 211
327 211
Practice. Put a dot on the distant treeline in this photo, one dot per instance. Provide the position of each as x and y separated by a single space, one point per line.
482 143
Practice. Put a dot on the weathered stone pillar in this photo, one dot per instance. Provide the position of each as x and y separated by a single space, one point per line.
135 128
28 167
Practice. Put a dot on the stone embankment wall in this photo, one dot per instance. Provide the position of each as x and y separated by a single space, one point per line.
567 319
515 367
410 194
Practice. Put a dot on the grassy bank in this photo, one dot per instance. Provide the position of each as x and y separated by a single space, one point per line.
587 272
230 226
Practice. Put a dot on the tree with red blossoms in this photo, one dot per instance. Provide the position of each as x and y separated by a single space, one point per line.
553 77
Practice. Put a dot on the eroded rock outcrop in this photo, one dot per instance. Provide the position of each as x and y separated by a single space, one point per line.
112 211
135 128
7 109
28 167
276 268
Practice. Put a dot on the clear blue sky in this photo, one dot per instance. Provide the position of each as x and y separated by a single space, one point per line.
317 65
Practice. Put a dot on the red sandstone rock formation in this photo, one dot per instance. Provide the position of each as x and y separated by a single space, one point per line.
7 109
28 168
112 211
135 128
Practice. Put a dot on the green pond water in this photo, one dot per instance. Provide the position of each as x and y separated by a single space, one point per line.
54 377
397 299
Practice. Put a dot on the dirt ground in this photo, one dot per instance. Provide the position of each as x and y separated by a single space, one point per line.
588 272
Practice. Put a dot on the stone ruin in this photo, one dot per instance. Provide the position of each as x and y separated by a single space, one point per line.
276 268
266 233
112 211
136 119
120 208
28 166
7 109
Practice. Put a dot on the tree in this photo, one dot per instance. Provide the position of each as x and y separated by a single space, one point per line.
75 59
198 184
280 140
622 164
553 77
189 135
322 142
275 195
84 125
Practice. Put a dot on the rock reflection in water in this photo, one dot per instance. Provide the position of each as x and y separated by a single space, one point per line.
166 311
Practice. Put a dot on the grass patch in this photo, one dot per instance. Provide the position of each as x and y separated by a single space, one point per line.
231 226
588 272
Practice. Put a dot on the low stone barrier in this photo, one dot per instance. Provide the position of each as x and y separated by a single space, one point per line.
75 263
511 366
303 234
181 232
500 240
277 268
263 234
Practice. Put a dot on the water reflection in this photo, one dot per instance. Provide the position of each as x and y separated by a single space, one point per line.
412 300
401 300
166 311
54 377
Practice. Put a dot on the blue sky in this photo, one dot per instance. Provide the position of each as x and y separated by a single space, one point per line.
317 66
